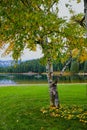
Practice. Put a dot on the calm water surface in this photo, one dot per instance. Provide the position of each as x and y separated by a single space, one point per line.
6 79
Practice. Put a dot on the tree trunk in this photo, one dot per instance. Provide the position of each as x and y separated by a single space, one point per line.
85 11
54 99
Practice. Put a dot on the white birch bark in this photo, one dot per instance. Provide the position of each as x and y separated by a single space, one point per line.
54 99
64 68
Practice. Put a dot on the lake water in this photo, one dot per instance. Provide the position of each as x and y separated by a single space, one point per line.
7 79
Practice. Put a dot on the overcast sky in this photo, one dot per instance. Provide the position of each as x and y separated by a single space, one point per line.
28 55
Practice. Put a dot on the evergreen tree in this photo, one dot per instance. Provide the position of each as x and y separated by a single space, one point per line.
85 67
74 67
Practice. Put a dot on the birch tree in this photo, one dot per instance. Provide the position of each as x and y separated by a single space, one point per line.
28 23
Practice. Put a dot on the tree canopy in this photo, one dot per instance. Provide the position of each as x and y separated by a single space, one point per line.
26 24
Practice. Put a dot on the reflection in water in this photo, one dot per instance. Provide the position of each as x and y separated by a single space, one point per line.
28 79
74 79
7 81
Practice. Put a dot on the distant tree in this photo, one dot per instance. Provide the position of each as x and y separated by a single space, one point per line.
81 66
85 67
74 67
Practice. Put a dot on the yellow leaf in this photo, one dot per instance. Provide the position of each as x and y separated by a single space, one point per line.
78 1
75 52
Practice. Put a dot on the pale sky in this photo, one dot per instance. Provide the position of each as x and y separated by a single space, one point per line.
28 55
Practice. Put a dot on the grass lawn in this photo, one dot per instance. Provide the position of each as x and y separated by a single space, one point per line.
27 108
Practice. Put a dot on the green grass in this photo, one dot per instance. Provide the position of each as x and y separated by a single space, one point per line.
20 107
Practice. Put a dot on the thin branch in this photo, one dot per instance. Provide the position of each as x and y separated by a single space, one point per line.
51 6
81 22
25 3
64 68
28 2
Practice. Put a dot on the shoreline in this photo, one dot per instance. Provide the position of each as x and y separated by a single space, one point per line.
46 84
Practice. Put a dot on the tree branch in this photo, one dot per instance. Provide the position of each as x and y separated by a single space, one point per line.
81 22
25 3
51 6
63 69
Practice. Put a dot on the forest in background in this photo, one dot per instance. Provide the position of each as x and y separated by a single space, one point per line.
37 67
